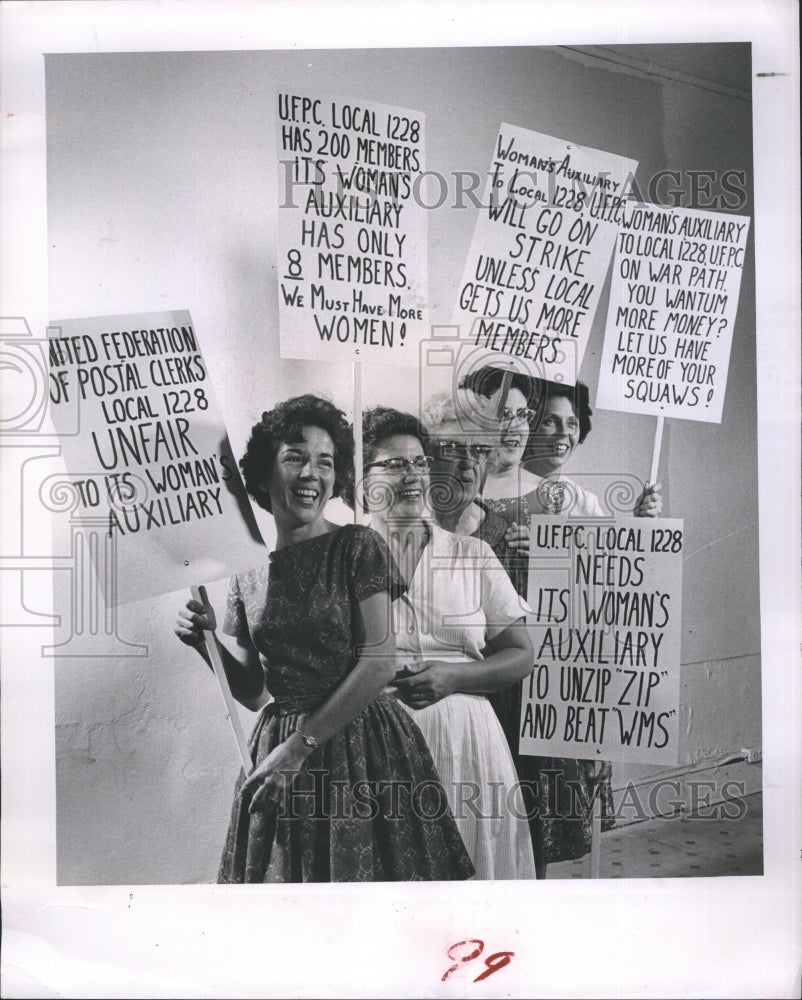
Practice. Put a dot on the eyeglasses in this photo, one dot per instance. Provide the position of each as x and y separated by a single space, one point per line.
453 451
420 465
523 414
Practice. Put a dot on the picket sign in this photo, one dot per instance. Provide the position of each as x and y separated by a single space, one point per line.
213 649
596 801
596 814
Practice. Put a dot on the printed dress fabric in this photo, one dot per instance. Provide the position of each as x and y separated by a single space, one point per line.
552 495
462 597
493 530
368 805
558 790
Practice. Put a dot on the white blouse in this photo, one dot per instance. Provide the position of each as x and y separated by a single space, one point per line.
462 597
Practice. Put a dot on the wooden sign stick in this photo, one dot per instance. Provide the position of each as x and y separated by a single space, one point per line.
658 440
595 823
213 649
359 510
506 382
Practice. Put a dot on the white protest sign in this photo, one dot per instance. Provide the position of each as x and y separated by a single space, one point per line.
673 300
541 249
352 231
147 452
607 601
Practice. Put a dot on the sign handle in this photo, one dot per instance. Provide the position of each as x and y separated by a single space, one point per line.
506 382
658 440
213 649
596 818
359 510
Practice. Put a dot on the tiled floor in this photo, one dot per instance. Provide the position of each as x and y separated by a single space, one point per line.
684 847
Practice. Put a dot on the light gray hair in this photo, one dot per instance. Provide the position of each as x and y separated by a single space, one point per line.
447 407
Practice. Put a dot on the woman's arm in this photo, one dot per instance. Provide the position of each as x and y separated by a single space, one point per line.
242 665
374 669
510 660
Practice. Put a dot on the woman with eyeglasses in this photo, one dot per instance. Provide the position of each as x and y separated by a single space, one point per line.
540 426
462 434
343 786
458 637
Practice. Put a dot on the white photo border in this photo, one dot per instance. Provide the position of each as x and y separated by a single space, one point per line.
683 937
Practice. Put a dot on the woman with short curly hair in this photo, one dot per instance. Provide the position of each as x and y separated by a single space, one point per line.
459 636
286 422
343 787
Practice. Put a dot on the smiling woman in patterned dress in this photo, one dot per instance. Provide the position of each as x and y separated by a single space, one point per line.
343 787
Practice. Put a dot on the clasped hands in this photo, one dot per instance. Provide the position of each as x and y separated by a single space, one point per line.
435 681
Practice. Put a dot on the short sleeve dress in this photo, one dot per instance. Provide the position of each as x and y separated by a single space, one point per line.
368 804
458 598
558 790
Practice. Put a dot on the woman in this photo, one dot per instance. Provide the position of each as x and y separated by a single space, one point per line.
462 434
459 629
332 754
524 478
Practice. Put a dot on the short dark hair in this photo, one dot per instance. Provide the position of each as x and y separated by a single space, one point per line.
284 424
537 391
488 380
577 395
382 422
378 424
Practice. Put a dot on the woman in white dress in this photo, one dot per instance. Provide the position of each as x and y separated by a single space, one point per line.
459 636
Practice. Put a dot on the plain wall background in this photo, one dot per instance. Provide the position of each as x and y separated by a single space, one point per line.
162 194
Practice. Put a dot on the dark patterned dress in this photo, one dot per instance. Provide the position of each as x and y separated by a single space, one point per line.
367 805
558 790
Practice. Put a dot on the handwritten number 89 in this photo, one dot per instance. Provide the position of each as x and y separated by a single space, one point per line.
493 962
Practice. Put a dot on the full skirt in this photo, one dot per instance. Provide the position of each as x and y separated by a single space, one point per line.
368 806
559 791
475 765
